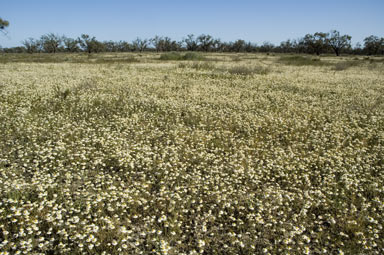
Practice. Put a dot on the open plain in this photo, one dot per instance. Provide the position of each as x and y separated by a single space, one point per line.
185 153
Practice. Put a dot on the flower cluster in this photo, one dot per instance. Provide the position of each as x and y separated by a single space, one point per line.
154 158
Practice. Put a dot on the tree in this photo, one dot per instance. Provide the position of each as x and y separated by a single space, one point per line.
86 42
205 42
299 46
218 45
3 24
51 42
110 46
239 46
250 47
70 44
90 44
373 44
18 49
316 42
266 47
358 49
382 46
286 46
31 45
167 44
190 43
338 42
140 44
123 46
156 42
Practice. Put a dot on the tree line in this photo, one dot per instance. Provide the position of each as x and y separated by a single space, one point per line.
3 24
317 43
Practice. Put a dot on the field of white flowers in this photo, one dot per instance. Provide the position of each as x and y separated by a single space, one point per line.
235 154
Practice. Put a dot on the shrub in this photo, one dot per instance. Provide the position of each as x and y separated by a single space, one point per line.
245 70
170 56
192 56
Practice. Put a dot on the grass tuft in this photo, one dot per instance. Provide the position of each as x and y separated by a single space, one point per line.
175 56
297 60
248 70
344 65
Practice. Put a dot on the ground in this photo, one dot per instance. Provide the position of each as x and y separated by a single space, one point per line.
131 153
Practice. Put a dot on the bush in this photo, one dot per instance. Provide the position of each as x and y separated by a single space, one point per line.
245 70
192 56
170 56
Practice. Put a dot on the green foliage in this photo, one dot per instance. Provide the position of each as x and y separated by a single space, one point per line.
205 42
248 70
51 42
191 43
31 45
90 44
373 45
316 42
165 44
140 44
3 24
171 56
338 42
70 44
192 56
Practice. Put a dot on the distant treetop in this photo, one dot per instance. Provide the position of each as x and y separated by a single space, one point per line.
3 23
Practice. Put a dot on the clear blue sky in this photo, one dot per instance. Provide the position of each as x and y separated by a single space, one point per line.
256 21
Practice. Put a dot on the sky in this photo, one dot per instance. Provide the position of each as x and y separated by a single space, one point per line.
257 21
